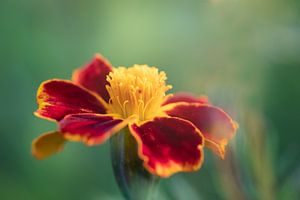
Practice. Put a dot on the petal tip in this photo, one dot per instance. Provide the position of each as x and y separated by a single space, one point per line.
47 144
37 114
100 57
218 149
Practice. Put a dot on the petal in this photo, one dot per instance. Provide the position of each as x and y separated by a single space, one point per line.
169 145
91 128
58 98
47 144
93 76
215 125
185 97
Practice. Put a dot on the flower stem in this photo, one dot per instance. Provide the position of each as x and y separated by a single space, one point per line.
134 181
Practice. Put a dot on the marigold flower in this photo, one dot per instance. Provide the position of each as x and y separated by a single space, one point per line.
170 130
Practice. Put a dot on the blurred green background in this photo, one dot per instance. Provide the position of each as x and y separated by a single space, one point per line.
243 54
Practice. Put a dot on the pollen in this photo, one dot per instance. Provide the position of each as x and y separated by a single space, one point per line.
139 90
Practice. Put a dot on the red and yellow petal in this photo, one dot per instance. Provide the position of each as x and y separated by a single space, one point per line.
93 76
216 126
91 128
47 144
58 98
168 145
185 97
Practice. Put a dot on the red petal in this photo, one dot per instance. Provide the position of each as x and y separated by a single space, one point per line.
91 128
215 125
93 76
186 97
58 98
169 145
47 144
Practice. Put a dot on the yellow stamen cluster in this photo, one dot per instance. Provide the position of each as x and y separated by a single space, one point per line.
138 90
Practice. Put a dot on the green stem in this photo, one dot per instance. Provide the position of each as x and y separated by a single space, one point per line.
134 181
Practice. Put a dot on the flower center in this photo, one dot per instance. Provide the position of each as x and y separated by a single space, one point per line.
138 90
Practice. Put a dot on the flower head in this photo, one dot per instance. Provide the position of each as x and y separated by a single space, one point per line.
170 130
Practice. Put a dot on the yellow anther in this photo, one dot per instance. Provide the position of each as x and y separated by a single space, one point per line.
138 90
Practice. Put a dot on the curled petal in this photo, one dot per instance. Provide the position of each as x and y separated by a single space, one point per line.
185 97
216 126
58 98
93 76
91 128
168 145
47 144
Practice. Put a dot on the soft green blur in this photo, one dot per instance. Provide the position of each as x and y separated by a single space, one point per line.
243 54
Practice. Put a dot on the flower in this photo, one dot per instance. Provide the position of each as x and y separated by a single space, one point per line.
170 130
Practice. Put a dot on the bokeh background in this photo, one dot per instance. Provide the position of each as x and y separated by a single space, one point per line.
243 54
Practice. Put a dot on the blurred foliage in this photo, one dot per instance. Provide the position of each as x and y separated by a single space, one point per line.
243 54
